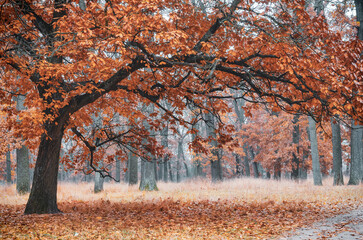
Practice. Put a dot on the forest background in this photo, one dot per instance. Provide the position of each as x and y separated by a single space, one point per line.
174 91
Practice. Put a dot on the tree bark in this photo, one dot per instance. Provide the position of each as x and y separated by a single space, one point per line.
165 144
179 160
148 179
98 183
132 171
22 159
216 166
296 140
314 152
43 195
8 167
337 153
118 169
356 157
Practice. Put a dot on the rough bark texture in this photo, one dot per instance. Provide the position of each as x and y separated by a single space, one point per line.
314 152
43 195
8 167
337 153
216 165
356 157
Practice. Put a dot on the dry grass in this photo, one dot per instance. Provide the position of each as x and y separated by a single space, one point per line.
239 190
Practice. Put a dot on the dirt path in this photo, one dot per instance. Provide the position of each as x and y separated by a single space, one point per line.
347 226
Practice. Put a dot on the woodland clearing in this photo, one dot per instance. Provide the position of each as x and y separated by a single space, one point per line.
235 209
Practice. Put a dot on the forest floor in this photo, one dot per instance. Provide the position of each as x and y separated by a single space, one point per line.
234 209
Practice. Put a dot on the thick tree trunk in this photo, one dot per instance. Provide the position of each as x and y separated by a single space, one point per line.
8 167
43 195
165 144
356 157
337 153
314 153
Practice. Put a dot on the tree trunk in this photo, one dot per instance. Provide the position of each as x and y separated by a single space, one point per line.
216 166
132 170
179 159
165 171
8 167
148 181
246 162
22 159
356 157
197 166
43 195
22 170
165 144
314 152
337 153
118 169
255 169
170 171
295 140
98 183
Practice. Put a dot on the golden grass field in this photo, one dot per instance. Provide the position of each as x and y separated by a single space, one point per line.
243 208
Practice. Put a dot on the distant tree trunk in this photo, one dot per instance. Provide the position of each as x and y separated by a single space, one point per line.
216 166
98 183
238 104
314 152
22 159
255 169
160 170
22 170
170 171
296 140
239 171
337 153
165 144
8 167
179 160
356 157
246 162
132 170
197 166
148 179
118 169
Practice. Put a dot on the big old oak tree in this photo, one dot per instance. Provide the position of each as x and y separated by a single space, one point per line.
73 59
